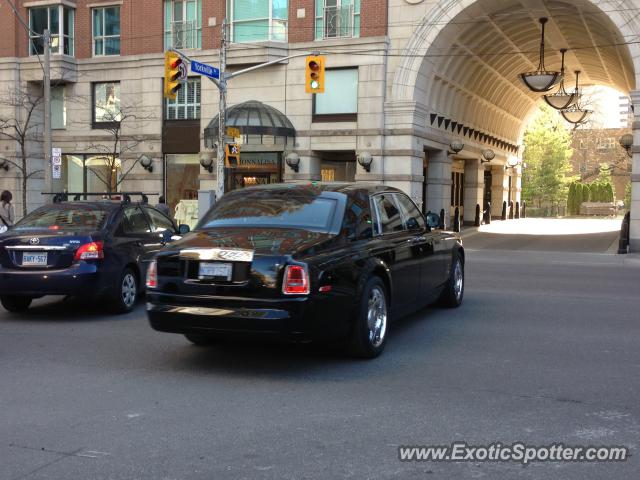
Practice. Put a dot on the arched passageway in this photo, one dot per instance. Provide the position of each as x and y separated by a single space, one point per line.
457 78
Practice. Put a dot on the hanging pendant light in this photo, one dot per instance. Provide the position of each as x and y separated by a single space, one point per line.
561 99
576 114
541 80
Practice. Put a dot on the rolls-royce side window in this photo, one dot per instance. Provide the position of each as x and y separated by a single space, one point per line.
389 217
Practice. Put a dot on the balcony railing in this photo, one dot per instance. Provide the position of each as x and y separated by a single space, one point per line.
338 22
184 34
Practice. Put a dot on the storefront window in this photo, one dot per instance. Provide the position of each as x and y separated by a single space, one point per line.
181 186
88 174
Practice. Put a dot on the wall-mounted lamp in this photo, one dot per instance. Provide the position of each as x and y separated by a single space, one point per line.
4 164
293 160
626 142
455 147
206 160
512 162
146 162
487 156
365 159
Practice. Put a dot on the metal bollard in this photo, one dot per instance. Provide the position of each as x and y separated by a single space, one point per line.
524 210
476 223
504 211
442 223
456 220
510 210
517 209
623 244
487 214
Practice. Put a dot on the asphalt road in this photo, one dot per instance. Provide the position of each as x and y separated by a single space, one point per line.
545 349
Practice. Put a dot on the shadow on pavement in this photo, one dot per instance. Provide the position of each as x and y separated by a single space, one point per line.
260 358
71 309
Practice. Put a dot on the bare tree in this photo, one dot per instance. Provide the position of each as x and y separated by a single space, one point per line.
21 127
117 121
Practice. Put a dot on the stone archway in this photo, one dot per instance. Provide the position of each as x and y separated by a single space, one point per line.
453 66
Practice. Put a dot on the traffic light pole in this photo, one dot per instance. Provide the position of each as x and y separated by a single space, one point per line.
222 87
221 83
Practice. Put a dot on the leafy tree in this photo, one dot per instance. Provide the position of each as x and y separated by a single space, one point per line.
547 153
571 198
609 191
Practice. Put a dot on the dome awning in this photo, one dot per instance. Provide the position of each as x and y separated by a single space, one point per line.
252 118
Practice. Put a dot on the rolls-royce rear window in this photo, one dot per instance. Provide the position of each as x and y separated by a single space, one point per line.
312 213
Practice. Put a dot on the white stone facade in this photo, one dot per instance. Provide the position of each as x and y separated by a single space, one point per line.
426 65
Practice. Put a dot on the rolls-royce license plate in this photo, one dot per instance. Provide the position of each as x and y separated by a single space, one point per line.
34 259
215 271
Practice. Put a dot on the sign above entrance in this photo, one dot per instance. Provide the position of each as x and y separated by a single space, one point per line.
233 132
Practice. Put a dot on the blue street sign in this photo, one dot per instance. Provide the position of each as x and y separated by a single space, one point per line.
204 69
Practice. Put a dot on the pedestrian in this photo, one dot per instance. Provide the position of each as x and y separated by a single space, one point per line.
7 214
162 206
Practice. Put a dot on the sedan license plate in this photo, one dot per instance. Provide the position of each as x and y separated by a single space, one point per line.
34 259
215 271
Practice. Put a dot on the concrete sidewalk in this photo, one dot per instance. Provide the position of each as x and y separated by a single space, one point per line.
585 236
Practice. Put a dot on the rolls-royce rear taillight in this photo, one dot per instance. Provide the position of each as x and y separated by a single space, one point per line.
296 280
152 274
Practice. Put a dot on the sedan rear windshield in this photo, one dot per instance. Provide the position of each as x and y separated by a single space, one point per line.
311 213
61 218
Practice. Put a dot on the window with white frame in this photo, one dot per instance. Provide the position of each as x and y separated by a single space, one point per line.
606 143
182 24
106 31
58 107
258 20
186 106
58 19
337 19
340 97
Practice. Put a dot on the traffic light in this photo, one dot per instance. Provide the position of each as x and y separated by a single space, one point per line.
232 155
175 73
314 77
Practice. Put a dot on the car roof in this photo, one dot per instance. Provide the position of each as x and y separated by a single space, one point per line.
348 188
107 205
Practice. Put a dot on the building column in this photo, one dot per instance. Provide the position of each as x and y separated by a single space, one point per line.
499 190
473 189
634 226
439 183
518 185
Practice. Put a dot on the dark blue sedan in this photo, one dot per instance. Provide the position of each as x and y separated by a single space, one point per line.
97 249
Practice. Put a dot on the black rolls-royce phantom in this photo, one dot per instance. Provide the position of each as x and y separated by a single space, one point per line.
305 262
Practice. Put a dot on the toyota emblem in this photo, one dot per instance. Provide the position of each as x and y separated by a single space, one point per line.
34 241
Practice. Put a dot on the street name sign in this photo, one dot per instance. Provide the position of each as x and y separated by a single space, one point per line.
204 69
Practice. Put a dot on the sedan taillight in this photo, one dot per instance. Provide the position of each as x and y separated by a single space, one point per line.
90 251
296 280
152 275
